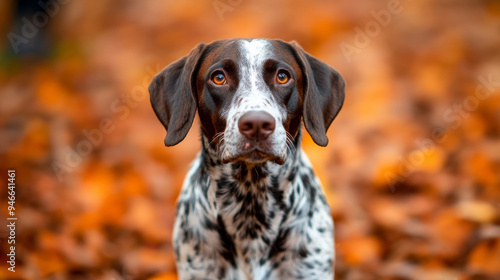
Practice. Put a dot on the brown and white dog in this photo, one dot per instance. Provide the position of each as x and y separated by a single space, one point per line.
251 206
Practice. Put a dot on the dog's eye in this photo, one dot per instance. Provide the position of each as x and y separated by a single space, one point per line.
219 78
282 77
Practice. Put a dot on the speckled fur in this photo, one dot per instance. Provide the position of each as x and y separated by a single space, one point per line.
268 221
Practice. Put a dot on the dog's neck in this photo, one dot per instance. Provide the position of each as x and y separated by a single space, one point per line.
249 196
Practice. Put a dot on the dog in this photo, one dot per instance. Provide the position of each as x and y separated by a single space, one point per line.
251 206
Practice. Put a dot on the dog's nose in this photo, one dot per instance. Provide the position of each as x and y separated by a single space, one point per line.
256 125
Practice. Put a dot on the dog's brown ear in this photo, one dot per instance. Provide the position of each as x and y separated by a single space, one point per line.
173 95
323 94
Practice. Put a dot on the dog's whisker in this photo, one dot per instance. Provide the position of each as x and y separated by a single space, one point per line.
289 143
217 136
221 146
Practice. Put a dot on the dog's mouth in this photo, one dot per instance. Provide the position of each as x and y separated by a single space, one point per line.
254 154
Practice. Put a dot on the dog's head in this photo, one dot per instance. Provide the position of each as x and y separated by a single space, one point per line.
251 95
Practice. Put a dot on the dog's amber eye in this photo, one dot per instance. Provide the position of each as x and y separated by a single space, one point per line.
219 79
282 77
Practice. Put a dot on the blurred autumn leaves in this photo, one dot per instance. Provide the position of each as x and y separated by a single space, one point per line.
412 171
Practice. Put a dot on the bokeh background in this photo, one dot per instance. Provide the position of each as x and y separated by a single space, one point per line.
412 171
